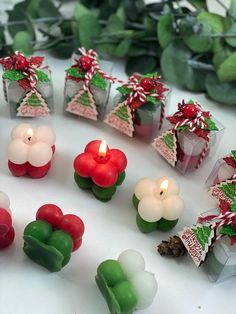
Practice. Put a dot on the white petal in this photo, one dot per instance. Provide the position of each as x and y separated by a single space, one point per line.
144 187
20 131
131 262
145 286
45 134
173 207
150 209
17 151
39 154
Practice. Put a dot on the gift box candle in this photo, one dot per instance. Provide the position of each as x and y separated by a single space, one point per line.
27 86
87 86
7 233
158 204
100 169
52 237
190 139
30 150
212 242
221 181
140 107
125 284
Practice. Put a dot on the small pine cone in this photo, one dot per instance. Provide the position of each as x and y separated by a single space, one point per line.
173 247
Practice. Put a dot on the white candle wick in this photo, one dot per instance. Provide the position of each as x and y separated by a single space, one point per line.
30 134
164 186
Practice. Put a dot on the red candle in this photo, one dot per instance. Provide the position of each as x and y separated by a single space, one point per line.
7 232
100 163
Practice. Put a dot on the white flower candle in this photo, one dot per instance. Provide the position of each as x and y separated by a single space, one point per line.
158 203
30 150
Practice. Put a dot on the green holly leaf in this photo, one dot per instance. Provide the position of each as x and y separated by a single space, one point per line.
98 81
75 73
150 75
124 90
182 128
233 208
151 99
42 76
211 125
233 152
228 230
13 75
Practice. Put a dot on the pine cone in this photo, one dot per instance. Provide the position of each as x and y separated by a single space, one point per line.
173 247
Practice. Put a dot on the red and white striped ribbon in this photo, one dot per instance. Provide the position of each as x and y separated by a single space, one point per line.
218 221
5 89
203 154
95 68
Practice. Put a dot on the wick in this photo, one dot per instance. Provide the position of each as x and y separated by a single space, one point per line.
161 192
29 138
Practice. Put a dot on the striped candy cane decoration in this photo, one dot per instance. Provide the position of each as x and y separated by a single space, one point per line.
203 154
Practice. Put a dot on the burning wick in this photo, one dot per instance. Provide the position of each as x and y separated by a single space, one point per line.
30 134
102 149
164 186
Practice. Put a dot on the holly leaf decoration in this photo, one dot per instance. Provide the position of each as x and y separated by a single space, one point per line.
211 125
42 76
182 128
125 91
151 99
233 152
98 81
233 208
37 60
13 75
151 75
228 230
74 71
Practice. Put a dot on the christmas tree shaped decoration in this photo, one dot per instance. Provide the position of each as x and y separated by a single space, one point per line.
166 145
225 190
33 105
198 239
121 119
83 104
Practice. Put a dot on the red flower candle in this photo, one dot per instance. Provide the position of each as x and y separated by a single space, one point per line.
7 232
31 150
100 169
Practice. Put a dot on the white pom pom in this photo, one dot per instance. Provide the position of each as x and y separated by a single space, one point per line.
144 187
17 152
150 209
39 154
20 131
145 286
173 207
4 201
45 134
131 262
172 188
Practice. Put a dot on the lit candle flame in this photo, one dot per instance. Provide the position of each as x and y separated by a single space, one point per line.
30 134
102 149
164 186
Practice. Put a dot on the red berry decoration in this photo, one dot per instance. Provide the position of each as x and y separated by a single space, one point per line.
189 111
85 63
21 62
51 213
146 84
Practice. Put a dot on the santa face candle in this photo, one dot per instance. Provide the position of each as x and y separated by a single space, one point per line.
193 135
52 237
139 109
125 283
100 169
158 204
31 150
221 183
7 233
212 242
27 86
87 86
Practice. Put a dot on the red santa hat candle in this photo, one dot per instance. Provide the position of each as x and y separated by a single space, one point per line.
31 150
7 232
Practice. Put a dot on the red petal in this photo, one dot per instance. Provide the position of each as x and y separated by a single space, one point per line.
37 60
202 133
224 206
24 83
174 119
230 161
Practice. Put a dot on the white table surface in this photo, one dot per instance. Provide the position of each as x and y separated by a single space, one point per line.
110 228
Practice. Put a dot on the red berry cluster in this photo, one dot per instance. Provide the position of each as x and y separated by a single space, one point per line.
189 111
85 63
69 223
21 63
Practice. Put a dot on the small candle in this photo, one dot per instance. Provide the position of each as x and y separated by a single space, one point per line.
125 283
7 232
100 169
30 150
52 237
158 203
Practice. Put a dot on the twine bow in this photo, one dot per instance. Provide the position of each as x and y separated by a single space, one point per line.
94 68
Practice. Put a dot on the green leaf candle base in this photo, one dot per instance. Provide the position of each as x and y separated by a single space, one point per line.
147 227
102 194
